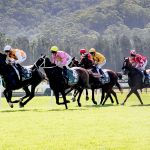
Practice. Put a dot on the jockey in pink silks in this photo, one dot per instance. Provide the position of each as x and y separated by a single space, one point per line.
61 59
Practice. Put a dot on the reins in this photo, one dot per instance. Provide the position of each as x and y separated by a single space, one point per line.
43 63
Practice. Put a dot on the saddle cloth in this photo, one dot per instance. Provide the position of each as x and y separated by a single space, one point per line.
105 79
25 72
72 76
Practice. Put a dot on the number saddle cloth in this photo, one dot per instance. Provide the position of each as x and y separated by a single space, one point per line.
105 78
72 76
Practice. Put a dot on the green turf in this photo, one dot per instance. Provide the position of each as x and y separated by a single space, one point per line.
43 125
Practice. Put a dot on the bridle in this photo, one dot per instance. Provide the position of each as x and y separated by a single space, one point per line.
43 64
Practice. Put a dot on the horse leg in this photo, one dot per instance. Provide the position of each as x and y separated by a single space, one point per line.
115 95
8 95
78 100
64 98
108 95
102 96
27 95
21 104
57 98
73 98
131 91
138 95
93 97
87 95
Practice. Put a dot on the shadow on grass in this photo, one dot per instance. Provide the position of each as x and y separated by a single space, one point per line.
40 110
140 105
99 106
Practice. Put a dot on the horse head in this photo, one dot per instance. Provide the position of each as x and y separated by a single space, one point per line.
74 62
126 65
43 61
2 59
86 63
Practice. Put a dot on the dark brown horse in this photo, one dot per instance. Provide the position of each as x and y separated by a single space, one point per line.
135 79
95 83
11 82
57 81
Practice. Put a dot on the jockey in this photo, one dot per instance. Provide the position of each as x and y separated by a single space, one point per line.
139 61
60 58
15 57
99 60
83 54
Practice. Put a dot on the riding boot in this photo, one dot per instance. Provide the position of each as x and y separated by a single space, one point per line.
21 70
65 74
94 69
146 81
101 73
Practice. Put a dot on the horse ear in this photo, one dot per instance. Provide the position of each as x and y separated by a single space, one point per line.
43 55
73 58
124 58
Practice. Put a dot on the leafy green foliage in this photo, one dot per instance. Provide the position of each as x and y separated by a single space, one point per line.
113 27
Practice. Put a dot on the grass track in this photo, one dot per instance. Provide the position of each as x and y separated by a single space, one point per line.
43 125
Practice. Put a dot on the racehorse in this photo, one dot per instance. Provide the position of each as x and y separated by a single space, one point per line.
107 88
57 81
11 82
135 79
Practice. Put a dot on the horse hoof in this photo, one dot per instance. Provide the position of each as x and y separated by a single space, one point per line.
21 105
95 103
11 105
73 99
67 101
87 98
79 105
122 104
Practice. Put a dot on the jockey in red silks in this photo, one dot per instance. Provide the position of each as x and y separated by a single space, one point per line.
83 54
139 61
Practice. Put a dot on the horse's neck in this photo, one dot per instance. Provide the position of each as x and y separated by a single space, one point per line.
133 73
6 70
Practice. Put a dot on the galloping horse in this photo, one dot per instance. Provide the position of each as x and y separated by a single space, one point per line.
11 82
57 81
135 79
95 83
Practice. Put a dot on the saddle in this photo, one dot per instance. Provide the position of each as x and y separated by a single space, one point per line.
103 79
23 72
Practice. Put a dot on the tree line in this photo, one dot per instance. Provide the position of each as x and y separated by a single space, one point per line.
115 43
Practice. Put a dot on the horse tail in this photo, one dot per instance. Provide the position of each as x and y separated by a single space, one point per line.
119 87
119 75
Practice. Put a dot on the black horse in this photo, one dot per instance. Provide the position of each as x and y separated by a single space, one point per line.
135 79
11 82
57 81
107 88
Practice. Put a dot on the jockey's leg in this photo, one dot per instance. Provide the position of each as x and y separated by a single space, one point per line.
146 80
65 73
21 70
